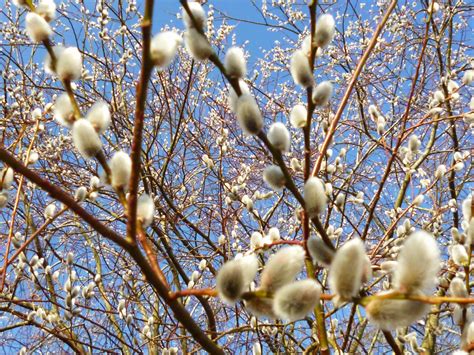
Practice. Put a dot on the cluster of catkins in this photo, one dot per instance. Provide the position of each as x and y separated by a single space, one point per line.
459 254
86 131
280 296
302 74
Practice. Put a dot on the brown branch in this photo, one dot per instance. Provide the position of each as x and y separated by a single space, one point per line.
142 87
347 94
57 193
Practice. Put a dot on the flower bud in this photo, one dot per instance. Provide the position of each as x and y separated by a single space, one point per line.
6 178
324 31
120 170
260 307
274 234
50 211
235 64
298 116
282 267
440 171
47 9
457 288
85 138
300 69
315 198
198 13
467 208
279 137
418 263
197 45
322 93
80 194
295 300
145 210
392 314
202 264
468 77
274 177
63 111
163 48
69 64
459 255
374 112
248 115
347 270
37 28
99 116
233 98
256 240
235 276
414 143
319 251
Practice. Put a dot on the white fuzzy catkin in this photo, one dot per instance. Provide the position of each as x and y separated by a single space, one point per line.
298 116
198 13
459 255
235 64
197 45
37 28
319 251
274 234
374 112
99 116
256 240
47 9
57 50
235 276
33 158
80 194
315 197
468 77
279 136
274 177
6 178
63 111
248 115
322 93
392 314
347 270
69 64
325 30
300 69
457 288
85 138
440 171
306 47
414 143
120 170
50 210
233 98
202 264
295 300
418 263
467 208
145 210
282 267
439 96
163 48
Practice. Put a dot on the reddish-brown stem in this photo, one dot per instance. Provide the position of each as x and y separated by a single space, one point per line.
141 95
